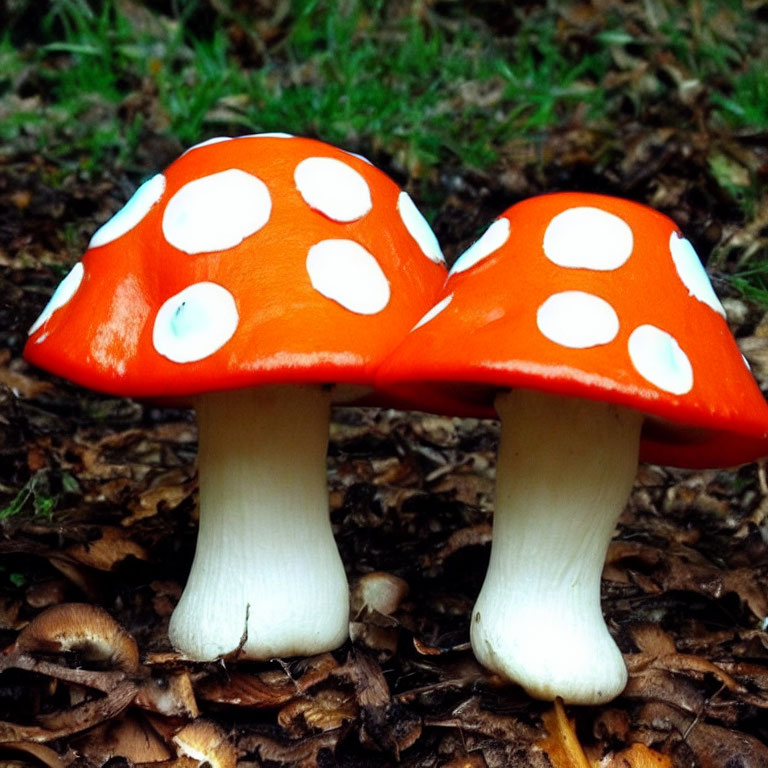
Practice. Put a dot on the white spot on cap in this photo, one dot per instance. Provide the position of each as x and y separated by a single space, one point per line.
208 142
131 213
588 238
270 135
195 322
344 271
419 229
434 312
63 293
746 362
490 242
658 358
216 212
691 271
333 188
577 320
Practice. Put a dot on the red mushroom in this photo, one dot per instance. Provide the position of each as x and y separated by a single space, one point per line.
274 266
591 326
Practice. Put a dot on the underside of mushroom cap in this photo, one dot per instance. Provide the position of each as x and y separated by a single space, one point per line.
256 260
594 297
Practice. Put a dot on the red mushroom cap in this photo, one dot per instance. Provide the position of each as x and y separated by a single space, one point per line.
255 260
593 297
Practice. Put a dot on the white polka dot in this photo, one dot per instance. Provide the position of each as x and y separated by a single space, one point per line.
333 188
344 271
216 212
271 135
419 229
577 320
131 213
658 358
208 142
588 238
746 362
692 272
434 312
493 238
195 322
63 293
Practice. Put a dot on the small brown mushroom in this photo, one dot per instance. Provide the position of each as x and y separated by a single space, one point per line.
86 629
379 592
205 742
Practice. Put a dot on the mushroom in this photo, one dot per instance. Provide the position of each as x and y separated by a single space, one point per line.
246 279
204 742
87 629
590 325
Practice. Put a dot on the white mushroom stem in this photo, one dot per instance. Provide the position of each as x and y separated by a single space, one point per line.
565 471
265 548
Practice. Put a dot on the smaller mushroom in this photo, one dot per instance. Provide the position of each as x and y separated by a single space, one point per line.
374 598
378 592
589 324
83 628
206 743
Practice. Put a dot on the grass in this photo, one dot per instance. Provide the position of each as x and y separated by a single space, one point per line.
425 87
752 283
422 84
36 496
404 87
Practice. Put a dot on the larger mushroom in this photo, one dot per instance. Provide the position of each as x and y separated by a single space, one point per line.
247 279
590 325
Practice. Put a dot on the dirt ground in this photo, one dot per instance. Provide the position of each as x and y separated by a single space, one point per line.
103 495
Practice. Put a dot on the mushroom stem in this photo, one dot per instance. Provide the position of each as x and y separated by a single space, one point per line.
265 548
565 471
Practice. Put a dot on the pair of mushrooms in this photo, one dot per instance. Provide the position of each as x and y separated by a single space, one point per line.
263 278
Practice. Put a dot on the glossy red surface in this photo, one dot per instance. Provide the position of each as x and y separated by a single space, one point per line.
487 338
287 331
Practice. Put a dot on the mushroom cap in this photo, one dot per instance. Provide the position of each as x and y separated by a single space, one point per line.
595 297
81 627
264 259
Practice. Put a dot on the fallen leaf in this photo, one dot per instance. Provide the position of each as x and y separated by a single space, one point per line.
266 690
475 760
57 725
470 716
637 756
44 754
386 725
473 536
13 377
651 639
657 571
716 747
325 710
292 754
166 493
561 745
126 736
111 548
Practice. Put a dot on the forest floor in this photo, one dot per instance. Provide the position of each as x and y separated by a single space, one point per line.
98 494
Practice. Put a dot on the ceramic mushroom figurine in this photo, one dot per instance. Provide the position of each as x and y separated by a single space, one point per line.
591 326
248 279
